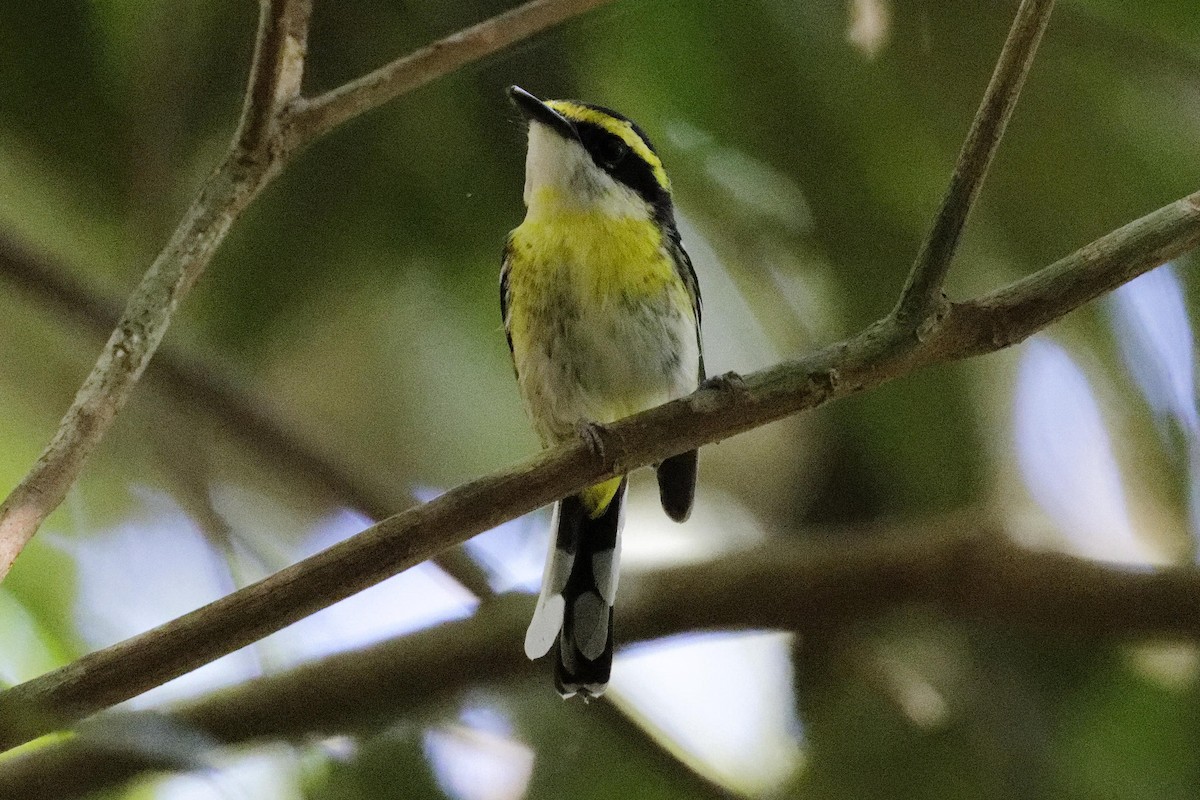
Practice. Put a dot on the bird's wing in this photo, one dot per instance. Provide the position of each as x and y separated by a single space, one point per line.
505 265
687 273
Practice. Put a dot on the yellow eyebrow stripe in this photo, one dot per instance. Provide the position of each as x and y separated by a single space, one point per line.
618 127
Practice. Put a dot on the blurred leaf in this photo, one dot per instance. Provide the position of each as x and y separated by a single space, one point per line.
1126 738
585 751
390 766
982 737
1170 20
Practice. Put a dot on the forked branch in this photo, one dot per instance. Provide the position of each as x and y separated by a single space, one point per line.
317 117
277 70
918 308
274 80
268 135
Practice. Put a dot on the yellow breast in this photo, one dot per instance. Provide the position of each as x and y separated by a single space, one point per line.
604 253
595 258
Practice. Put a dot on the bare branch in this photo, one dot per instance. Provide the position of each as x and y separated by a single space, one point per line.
875 356
314 118
222 198
922 295
1021 309
970 575
277 71
199 386
258 153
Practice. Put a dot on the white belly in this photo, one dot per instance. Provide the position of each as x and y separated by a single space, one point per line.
606 360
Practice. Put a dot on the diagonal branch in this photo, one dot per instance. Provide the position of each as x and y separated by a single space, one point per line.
277 70
259 151
222 198
921 299
877 355
972 574
314 118
197 385
1017 311
224 195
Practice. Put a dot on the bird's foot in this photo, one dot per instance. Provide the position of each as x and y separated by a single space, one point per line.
730 382
592 434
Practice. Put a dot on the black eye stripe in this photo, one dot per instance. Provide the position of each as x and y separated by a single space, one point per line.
614 156
611 151
601 144
637 130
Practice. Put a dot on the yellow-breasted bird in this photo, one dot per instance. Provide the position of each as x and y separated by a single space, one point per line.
602 312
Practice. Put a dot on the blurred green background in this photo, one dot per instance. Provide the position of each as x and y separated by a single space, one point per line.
356 303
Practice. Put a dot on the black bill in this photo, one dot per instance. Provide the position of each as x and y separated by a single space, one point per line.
534 109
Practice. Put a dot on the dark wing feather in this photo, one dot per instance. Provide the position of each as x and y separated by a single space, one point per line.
687 273
505 264
677 475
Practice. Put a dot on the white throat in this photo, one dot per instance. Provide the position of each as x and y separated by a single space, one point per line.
561 176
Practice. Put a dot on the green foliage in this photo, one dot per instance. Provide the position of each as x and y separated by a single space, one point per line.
390 766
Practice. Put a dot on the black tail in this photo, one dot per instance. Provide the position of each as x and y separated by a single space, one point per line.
583 658
677 485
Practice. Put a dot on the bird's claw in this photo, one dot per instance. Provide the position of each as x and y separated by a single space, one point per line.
592 434
726 382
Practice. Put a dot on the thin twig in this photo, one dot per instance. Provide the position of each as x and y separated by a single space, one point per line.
277 71
260 150
311 119
972 574
200 386
877 355
921 299
222 198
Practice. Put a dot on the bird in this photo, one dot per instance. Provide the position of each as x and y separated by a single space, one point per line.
601 309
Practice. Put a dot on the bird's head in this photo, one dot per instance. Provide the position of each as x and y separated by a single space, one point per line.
588 158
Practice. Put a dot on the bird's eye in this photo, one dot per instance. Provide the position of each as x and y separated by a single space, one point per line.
612 152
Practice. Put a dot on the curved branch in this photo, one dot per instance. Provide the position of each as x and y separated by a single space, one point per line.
922 295
311 119
971 575
879 354
197 385
224 195
259 151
